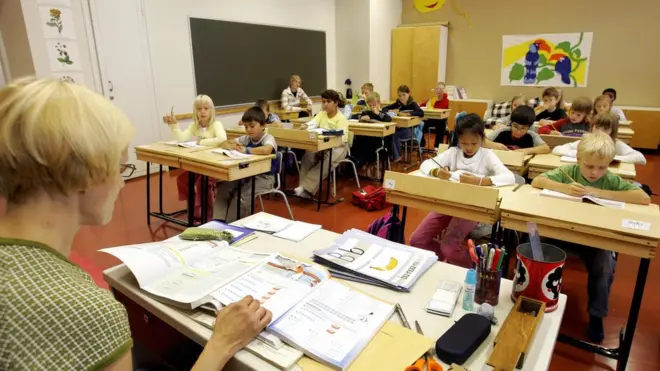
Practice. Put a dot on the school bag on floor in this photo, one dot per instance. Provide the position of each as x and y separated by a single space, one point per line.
388 226
370 198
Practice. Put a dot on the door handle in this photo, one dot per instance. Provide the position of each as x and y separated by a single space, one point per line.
112 89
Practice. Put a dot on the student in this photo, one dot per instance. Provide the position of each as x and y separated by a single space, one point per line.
444 234
364 148
330 118
53 316
345 108
602 104
271 118
610 92
374 112
577 122
592 177
517 101
609 124
439 101
550 110
291 97
517 137
406 106
366 89
256 142
207 132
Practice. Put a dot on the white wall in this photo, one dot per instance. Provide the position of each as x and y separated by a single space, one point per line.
384 15
352 25
169 37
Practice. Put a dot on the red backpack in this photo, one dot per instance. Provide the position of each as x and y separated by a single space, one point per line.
370 198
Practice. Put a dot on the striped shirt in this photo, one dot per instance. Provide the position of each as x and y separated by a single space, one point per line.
52 314
290 102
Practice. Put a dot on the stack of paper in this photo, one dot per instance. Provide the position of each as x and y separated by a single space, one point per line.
283 228
363 257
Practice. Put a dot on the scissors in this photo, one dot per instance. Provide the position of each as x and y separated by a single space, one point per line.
427 362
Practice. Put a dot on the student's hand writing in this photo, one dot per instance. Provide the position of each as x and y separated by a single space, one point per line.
577 189
593 191
441 173
470 179
500 146
555 132
238 323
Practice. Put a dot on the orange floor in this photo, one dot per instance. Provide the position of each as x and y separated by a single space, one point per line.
129 226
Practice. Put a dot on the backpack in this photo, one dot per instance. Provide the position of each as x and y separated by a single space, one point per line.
388 226
370 198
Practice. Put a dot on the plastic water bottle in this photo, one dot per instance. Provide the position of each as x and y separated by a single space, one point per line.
468 294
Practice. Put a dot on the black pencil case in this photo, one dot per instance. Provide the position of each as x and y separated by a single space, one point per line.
462 339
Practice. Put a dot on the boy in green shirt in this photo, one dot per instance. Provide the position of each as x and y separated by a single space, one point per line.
591 176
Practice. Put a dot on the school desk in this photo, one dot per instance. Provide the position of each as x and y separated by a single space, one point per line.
163 329
633 231
647 126
517 162
436 113
542 163
408 122
625 134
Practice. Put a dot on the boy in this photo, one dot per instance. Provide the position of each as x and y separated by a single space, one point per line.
577 122
256 142
591 176
271 118
374 112
610 92
517 137
367 88
551 111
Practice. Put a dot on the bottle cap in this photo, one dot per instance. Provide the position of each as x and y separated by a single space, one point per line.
471 277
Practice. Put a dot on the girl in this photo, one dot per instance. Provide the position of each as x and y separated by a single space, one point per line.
291 96
406 106
517 101
206 131
444 234
608 123
602 104
330 118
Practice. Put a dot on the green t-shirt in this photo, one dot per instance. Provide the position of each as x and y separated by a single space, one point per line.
608 182
52 314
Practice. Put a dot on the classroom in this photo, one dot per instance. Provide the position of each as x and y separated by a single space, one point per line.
329 185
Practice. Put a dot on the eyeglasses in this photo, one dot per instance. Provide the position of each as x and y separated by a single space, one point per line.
126 170
519 127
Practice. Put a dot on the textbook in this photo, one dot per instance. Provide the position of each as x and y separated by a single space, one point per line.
232 153
189 144
363 257
587 198
282 228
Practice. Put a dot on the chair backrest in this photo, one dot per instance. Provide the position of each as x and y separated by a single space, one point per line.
278 161
351 136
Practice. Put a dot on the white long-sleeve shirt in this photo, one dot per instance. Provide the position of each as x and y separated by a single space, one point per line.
212 135
618 111
483 163
624 152
290 102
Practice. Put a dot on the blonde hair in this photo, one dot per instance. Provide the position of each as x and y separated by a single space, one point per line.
373 97
203 99
368 85
607 121
518 97
294 78
601 98
598 144
57 137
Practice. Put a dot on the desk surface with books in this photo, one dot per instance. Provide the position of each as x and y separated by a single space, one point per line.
542 163
380 354
295 138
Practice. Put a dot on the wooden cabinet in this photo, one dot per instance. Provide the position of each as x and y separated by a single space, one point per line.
419 59
478 106
646 124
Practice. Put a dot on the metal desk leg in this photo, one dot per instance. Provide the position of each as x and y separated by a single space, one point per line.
327 191
320 191
633 316
252 196
160 188
238 199
148 194
285 160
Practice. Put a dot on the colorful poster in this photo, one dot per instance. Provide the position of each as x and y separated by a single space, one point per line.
546 59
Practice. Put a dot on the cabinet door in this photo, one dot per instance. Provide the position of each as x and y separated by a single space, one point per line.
458 105
402 57
425 59
646 124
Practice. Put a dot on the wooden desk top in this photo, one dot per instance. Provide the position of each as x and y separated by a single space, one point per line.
221 167
537 359
513 160
435 113
368 129
164 154
583 223
543 163
406 121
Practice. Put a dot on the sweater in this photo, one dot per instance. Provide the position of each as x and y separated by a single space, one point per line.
566 127
382 116
436 103
211 136
555 115
624 152
413 107
483 163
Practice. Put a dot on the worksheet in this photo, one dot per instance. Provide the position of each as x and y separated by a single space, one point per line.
334 323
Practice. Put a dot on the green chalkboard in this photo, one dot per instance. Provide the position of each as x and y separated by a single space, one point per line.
240 62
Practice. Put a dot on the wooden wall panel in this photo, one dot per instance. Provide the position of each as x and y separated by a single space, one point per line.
646 124
425 56
402 55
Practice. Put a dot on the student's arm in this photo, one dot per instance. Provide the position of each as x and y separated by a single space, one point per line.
311 125
625 153
220 135
492 144
555 126
231 144
307 99
261 150
384 117
416 111
636 196
568 149
501 175
182 136
442 160
540 147
284 102
343 125
393 106
556 180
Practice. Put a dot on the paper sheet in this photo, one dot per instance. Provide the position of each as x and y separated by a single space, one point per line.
297 231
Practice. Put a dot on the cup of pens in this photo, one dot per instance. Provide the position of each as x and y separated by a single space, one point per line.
488 260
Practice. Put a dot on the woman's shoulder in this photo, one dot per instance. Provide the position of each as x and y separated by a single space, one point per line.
56 312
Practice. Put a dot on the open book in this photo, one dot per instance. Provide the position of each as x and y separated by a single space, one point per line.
232 153
189 144
587 198
282 228
363 257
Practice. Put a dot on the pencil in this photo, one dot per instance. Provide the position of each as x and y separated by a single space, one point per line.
569 177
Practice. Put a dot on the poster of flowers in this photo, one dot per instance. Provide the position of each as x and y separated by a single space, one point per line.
546 59
57 22
63 55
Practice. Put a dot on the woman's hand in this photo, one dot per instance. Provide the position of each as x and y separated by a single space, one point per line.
238 323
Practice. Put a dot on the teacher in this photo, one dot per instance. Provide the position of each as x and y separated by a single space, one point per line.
292 95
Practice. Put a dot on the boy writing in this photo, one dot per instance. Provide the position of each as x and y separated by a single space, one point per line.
591 176
577 122
551 109
517 137
256 142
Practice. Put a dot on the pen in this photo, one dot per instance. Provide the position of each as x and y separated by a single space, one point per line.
496 259
404 321
499 264
491 256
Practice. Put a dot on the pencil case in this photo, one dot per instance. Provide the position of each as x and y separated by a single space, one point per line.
462 339
205 234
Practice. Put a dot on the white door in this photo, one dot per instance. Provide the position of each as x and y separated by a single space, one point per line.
122 48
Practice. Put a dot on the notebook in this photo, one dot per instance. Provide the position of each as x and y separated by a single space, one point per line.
587 198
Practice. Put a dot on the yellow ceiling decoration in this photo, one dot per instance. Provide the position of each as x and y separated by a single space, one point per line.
426 6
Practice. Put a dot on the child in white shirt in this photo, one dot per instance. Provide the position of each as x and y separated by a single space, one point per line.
479 166
610 92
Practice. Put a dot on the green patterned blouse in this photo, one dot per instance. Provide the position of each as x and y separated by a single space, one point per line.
52 314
